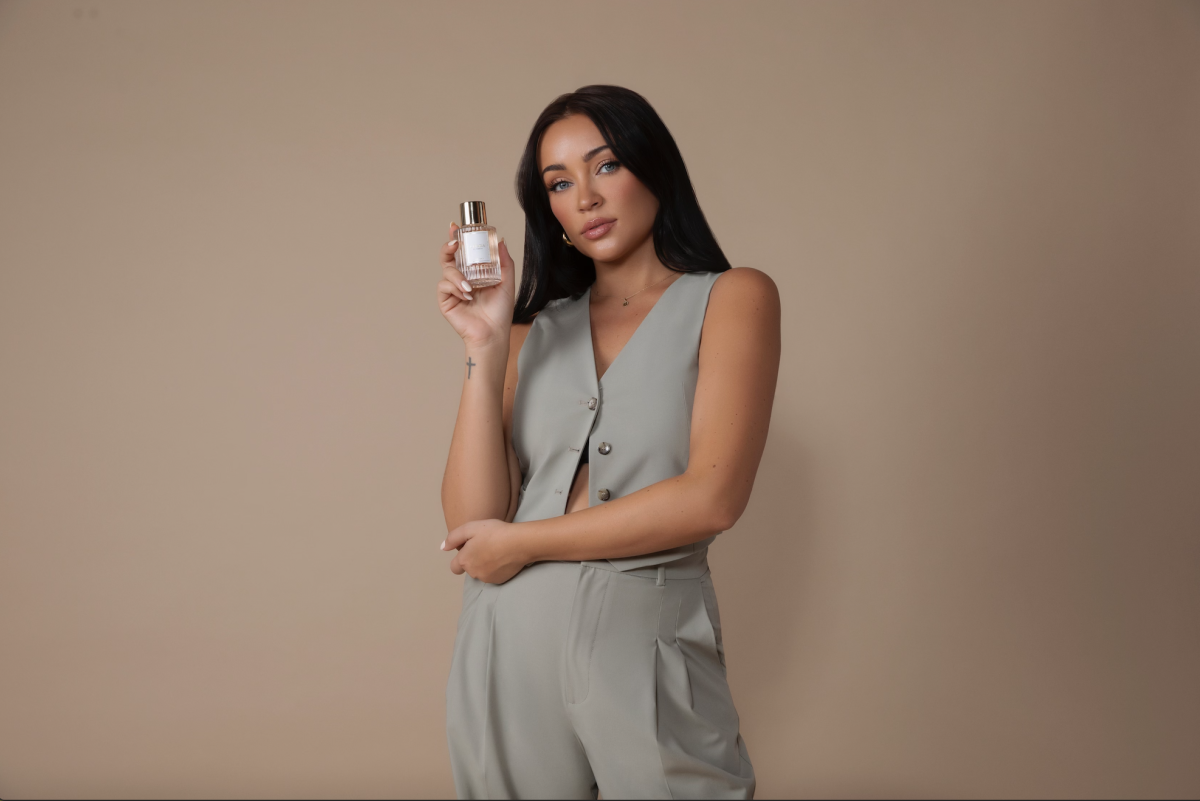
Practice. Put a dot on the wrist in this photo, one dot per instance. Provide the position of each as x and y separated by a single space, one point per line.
486 365
493 345
523 543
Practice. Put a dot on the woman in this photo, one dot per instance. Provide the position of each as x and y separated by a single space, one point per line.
611 424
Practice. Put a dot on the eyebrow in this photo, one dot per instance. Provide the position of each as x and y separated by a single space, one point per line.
586 158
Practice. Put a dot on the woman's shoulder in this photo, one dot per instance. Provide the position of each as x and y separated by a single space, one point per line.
557 303
743 302
551 309
739 286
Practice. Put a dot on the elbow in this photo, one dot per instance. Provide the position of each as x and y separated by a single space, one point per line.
724 520
718 507
722 515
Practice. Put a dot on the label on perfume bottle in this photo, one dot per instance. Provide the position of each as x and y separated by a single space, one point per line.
476 248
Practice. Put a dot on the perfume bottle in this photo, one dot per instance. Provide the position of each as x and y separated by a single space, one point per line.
478 254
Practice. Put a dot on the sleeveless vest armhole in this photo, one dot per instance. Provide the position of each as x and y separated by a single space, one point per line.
707 297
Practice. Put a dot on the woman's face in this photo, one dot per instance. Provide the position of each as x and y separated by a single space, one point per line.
605 210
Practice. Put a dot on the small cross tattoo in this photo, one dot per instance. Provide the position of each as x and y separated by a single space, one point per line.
470 364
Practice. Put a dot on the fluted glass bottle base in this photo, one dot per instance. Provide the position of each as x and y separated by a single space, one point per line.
481 275
478 255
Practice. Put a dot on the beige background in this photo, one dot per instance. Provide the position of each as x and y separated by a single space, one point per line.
971 562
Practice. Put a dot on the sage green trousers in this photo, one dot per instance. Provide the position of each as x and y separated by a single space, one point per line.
572 678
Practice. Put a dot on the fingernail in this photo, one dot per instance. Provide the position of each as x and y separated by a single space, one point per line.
466 286
443 545
452 242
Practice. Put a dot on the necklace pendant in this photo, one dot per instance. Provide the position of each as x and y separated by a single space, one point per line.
626 303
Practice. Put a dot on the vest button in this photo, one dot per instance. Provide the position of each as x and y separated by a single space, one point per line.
602 494
591 403
604 448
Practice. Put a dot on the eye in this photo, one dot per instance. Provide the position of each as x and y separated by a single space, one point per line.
604 167
553 187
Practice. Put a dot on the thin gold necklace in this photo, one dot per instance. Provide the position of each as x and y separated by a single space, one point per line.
627 297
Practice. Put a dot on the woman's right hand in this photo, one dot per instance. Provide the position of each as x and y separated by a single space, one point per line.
480 316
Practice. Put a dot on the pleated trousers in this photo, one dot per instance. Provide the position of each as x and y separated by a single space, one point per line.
573 679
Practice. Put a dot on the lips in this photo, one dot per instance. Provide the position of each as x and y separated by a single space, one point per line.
598 227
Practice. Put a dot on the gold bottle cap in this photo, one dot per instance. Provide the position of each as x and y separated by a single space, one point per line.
473 213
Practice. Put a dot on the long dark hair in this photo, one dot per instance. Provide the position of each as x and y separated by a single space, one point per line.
643 145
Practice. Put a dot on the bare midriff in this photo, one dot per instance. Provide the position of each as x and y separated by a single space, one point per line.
577 498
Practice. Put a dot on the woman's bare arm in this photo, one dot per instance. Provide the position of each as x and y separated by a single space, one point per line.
478 482
739 364
466 464
519 332
475 485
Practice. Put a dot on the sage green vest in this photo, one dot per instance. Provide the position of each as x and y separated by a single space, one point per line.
639 416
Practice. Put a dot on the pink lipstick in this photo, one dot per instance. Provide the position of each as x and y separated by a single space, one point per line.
598 227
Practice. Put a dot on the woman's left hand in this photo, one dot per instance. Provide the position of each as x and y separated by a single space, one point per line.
485 551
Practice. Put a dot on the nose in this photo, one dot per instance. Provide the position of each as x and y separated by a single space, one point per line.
588 198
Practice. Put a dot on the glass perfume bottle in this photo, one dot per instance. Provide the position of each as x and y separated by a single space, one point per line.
478 254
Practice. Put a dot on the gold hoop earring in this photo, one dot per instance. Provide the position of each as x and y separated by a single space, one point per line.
570 244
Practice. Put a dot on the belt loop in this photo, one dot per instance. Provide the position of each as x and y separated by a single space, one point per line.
662 576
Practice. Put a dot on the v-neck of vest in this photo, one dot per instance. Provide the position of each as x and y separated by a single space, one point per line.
587 316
